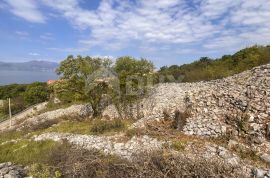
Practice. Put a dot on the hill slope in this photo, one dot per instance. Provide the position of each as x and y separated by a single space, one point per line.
29 66
208 69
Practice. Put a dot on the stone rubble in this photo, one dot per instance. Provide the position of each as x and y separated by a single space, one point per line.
9 170
212 103
213 151
107 144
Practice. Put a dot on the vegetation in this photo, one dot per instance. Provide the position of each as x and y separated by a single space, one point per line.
74 127
79 81
210 69
91 79
178 145
36 93
134 77
23 96
43 171
26 152
74 162
99 127
90 127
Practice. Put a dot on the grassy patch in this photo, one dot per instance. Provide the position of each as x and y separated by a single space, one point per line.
44 171
178 145
74 127
103 126
26 152
7 136
90 127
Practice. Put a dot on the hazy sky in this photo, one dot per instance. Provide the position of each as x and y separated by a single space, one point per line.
164 31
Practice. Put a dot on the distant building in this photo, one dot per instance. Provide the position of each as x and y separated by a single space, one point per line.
51 82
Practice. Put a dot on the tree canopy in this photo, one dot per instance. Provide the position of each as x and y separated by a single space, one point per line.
209 69
75 73
90 79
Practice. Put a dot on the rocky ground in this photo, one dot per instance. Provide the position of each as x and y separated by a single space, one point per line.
8 170
226 120
108 144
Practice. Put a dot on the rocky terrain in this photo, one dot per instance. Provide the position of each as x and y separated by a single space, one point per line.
226 120
215 108
24 121
108 144
8 170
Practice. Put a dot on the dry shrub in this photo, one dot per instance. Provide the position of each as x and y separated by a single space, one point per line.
180 120
168 165
267 131
239 121
166 114
75 162
134 132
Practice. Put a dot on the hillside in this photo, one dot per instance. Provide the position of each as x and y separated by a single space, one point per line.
178 128
206 69
29 66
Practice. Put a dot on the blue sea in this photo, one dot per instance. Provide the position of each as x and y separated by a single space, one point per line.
25 77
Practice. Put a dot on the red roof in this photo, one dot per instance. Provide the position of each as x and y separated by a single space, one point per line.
50 82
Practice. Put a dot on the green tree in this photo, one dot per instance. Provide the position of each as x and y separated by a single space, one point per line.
79 80
134 78
36 93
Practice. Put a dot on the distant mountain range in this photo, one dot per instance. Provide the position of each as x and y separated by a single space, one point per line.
29 66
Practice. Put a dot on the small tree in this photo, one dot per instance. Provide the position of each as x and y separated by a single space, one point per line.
134 77
78 80
36 93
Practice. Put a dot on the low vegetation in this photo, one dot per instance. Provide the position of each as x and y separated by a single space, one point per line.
100 127
23 96
74 162
26 152
94 127
209 69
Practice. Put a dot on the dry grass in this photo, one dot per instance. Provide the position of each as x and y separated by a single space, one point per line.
75 162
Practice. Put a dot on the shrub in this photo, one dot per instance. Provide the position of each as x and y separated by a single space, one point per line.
179 120
74 162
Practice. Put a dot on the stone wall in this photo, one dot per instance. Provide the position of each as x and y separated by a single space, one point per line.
216 107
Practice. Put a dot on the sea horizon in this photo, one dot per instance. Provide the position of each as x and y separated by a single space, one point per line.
25 77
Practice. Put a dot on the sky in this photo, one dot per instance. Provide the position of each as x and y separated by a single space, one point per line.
164 31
